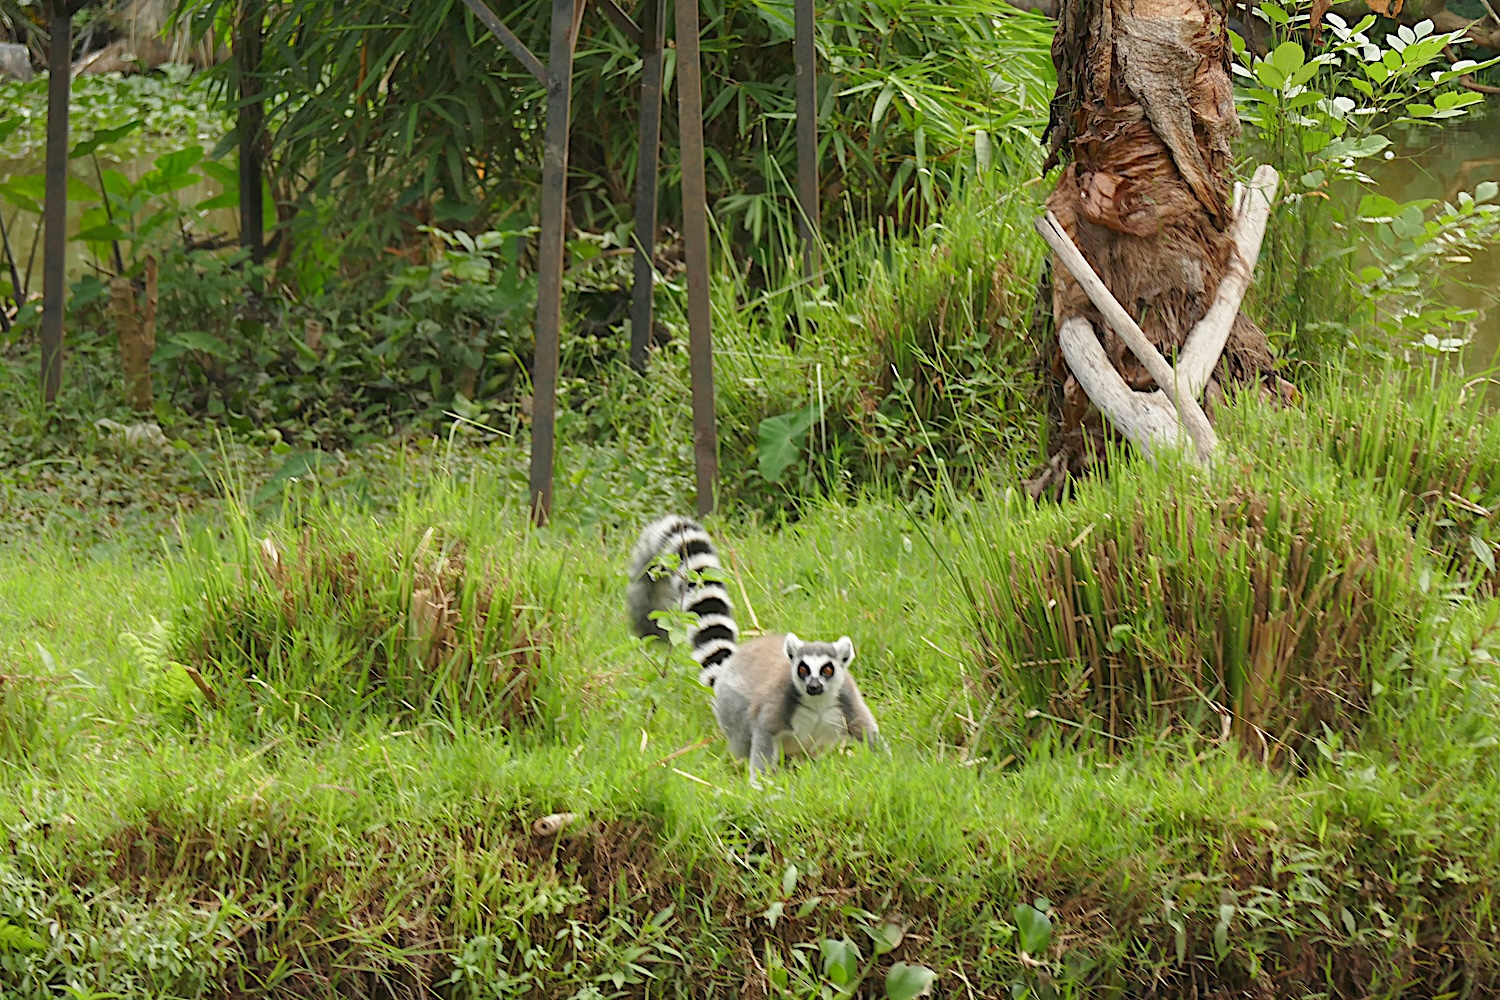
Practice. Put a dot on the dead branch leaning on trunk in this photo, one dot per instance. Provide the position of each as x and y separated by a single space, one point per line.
1154 419
1143 225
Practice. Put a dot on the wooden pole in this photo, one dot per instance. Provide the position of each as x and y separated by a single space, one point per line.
806 57
55 238
550 257
653 32
695 246
251 119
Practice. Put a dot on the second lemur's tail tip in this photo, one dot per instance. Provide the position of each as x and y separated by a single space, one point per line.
694 584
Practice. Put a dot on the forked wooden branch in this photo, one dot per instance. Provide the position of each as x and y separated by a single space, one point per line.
1151 419
1193 418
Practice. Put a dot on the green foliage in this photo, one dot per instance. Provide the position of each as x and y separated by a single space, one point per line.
1184 601
782 439
949 388
466 332
18 939
173 106
1421 442
415 114
1317 112
194 854
347 621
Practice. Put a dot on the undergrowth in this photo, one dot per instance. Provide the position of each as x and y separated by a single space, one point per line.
377 840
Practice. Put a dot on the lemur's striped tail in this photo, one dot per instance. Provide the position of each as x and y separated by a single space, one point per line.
692 585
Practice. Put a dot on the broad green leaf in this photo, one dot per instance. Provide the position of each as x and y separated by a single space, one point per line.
27 191
907 982
229 199
105 233
1221 931
1377 206
1288 57
887 937
117 185
104 137
1357 148
1486 192
176 164
80 191
1035 927
226 176
780 442
881 104
1269 74
840 960
1482 552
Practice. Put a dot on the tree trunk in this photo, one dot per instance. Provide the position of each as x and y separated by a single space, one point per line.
1144 117
55 234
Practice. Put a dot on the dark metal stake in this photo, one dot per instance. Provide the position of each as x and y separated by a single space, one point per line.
550 257
653 30
251 117
55 238
509 40
695 245
806 57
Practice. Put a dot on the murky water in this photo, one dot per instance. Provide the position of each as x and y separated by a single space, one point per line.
1438 163
24 228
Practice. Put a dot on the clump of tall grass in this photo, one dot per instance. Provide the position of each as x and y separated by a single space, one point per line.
1247 602
950 378
423 615
1427 445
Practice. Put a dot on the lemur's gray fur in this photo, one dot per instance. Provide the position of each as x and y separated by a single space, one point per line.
775 695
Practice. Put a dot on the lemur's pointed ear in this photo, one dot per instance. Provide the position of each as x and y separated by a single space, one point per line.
845 650
792 646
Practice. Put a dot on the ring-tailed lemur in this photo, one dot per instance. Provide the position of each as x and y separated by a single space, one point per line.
774 692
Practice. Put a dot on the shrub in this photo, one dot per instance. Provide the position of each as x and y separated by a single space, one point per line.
408 620
1256 604
1427 446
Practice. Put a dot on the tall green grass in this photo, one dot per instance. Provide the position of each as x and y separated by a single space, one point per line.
379 842
1264 606
434 610
911 360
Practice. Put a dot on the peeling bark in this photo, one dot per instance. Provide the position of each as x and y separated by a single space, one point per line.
1144 117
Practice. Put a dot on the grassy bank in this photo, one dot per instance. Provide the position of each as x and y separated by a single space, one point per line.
343 805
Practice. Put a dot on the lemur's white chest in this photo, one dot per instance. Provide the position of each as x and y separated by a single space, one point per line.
816 724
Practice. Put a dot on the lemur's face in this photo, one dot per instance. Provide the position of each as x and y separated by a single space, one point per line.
819 668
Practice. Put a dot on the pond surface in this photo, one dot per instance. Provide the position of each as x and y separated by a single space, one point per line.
1439 163
24 228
